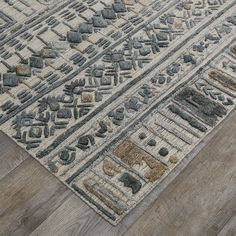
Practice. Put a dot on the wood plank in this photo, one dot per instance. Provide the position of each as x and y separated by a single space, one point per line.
29 194
201 200
11 155
222 216
74 217
230 228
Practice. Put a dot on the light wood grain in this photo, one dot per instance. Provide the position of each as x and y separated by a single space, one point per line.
11 155
29 194
230 227
74 218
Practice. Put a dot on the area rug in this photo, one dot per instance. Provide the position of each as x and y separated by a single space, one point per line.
111 96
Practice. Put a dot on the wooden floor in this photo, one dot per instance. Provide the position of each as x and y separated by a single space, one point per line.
200 201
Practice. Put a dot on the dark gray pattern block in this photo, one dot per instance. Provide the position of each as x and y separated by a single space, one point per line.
201 106
131 182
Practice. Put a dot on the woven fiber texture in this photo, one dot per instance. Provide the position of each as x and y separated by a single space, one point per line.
111 96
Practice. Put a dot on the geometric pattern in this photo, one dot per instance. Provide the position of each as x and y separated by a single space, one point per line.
112 95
